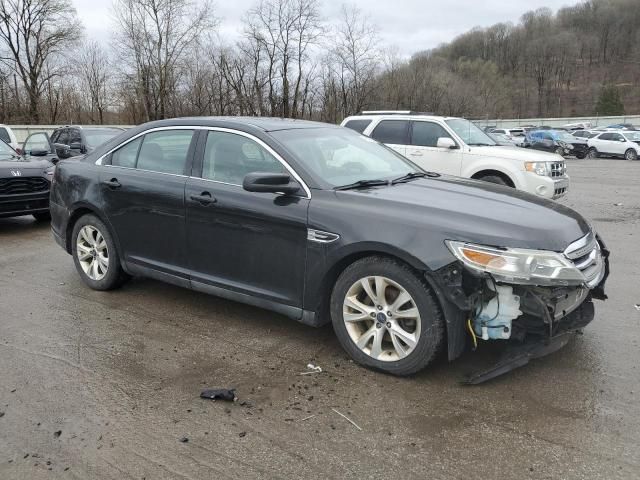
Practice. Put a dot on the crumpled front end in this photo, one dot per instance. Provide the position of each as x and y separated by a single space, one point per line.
531 299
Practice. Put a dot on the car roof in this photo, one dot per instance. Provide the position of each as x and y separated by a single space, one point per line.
267 124
395 116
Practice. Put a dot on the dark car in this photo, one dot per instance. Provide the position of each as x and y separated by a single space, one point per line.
25 182
557 141
74 140
321 224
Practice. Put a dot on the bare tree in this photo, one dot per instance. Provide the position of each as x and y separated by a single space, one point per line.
94 72
279 36
155 38
33 33
356 58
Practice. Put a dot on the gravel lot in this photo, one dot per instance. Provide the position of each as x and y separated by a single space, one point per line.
118 375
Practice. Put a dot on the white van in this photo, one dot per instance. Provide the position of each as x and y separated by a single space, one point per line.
456 146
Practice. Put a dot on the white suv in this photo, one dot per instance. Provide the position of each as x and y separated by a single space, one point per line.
456 146
615 144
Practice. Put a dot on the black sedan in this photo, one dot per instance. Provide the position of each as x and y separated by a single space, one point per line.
24 182
322 224
557 141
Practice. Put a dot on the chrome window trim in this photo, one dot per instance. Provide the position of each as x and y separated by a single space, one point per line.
215 129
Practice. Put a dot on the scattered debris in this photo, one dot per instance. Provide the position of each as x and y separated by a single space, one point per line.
184 439
307 418
1 414
242 434
313 369
228 395
617 204
637 305
347 419
61 283
57 433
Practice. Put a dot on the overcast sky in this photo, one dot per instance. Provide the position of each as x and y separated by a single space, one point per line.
410 25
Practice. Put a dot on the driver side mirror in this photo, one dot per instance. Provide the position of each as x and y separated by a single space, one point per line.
37 152
270 182
446 142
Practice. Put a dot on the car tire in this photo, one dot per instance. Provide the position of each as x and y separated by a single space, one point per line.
398 352
42 216
95 255
593 153
581 156
631 154
497 179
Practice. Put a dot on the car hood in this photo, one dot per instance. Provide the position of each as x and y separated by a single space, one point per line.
520 154
475 211
30 166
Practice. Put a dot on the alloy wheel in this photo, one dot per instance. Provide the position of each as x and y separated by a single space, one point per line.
92 252
631 155
381 318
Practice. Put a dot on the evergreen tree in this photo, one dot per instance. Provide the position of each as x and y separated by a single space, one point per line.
609 102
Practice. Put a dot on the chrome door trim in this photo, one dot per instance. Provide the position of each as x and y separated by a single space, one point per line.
284 163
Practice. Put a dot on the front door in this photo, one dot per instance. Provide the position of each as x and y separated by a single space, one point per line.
424 150
142 189
247 242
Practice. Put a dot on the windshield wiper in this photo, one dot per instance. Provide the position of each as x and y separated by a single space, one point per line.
411 175
363 183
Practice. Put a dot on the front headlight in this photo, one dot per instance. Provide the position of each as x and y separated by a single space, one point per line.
516 265
49 172
564 144
540 168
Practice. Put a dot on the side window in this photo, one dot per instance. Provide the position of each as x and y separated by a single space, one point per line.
358 125
426 134
498 131
165 151
617 137
547 136
126 156
37 141
605 136
229 158
55 135
392 131
74 136
63 137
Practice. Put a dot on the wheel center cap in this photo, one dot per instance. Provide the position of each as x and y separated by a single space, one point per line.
381 317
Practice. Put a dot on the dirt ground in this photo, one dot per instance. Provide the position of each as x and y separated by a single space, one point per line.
106 385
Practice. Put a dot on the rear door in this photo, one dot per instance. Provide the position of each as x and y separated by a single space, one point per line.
142 186
424 150
393 133
247 242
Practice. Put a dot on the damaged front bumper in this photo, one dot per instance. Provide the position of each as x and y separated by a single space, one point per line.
536 320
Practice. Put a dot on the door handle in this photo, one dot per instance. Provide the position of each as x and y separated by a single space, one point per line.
205 198
113 183
416 154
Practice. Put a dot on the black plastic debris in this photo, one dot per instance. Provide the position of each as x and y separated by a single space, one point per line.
228 395
184 439
57 433
1 414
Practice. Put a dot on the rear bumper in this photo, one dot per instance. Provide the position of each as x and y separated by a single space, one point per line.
24 204
59 221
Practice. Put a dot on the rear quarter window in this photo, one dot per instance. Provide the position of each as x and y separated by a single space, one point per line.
395 132
358 125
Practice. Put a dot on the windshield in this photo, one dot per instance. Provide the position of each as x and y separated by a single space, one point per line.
633 136
6 151
565 136
340 156
97 137
469 132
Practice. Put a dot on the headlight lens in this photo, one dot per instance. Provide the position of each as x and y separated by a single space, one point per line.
520 266
540 168
49 172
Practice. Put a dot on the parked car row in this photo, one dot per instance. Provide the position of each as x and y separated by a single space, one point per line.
26 171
